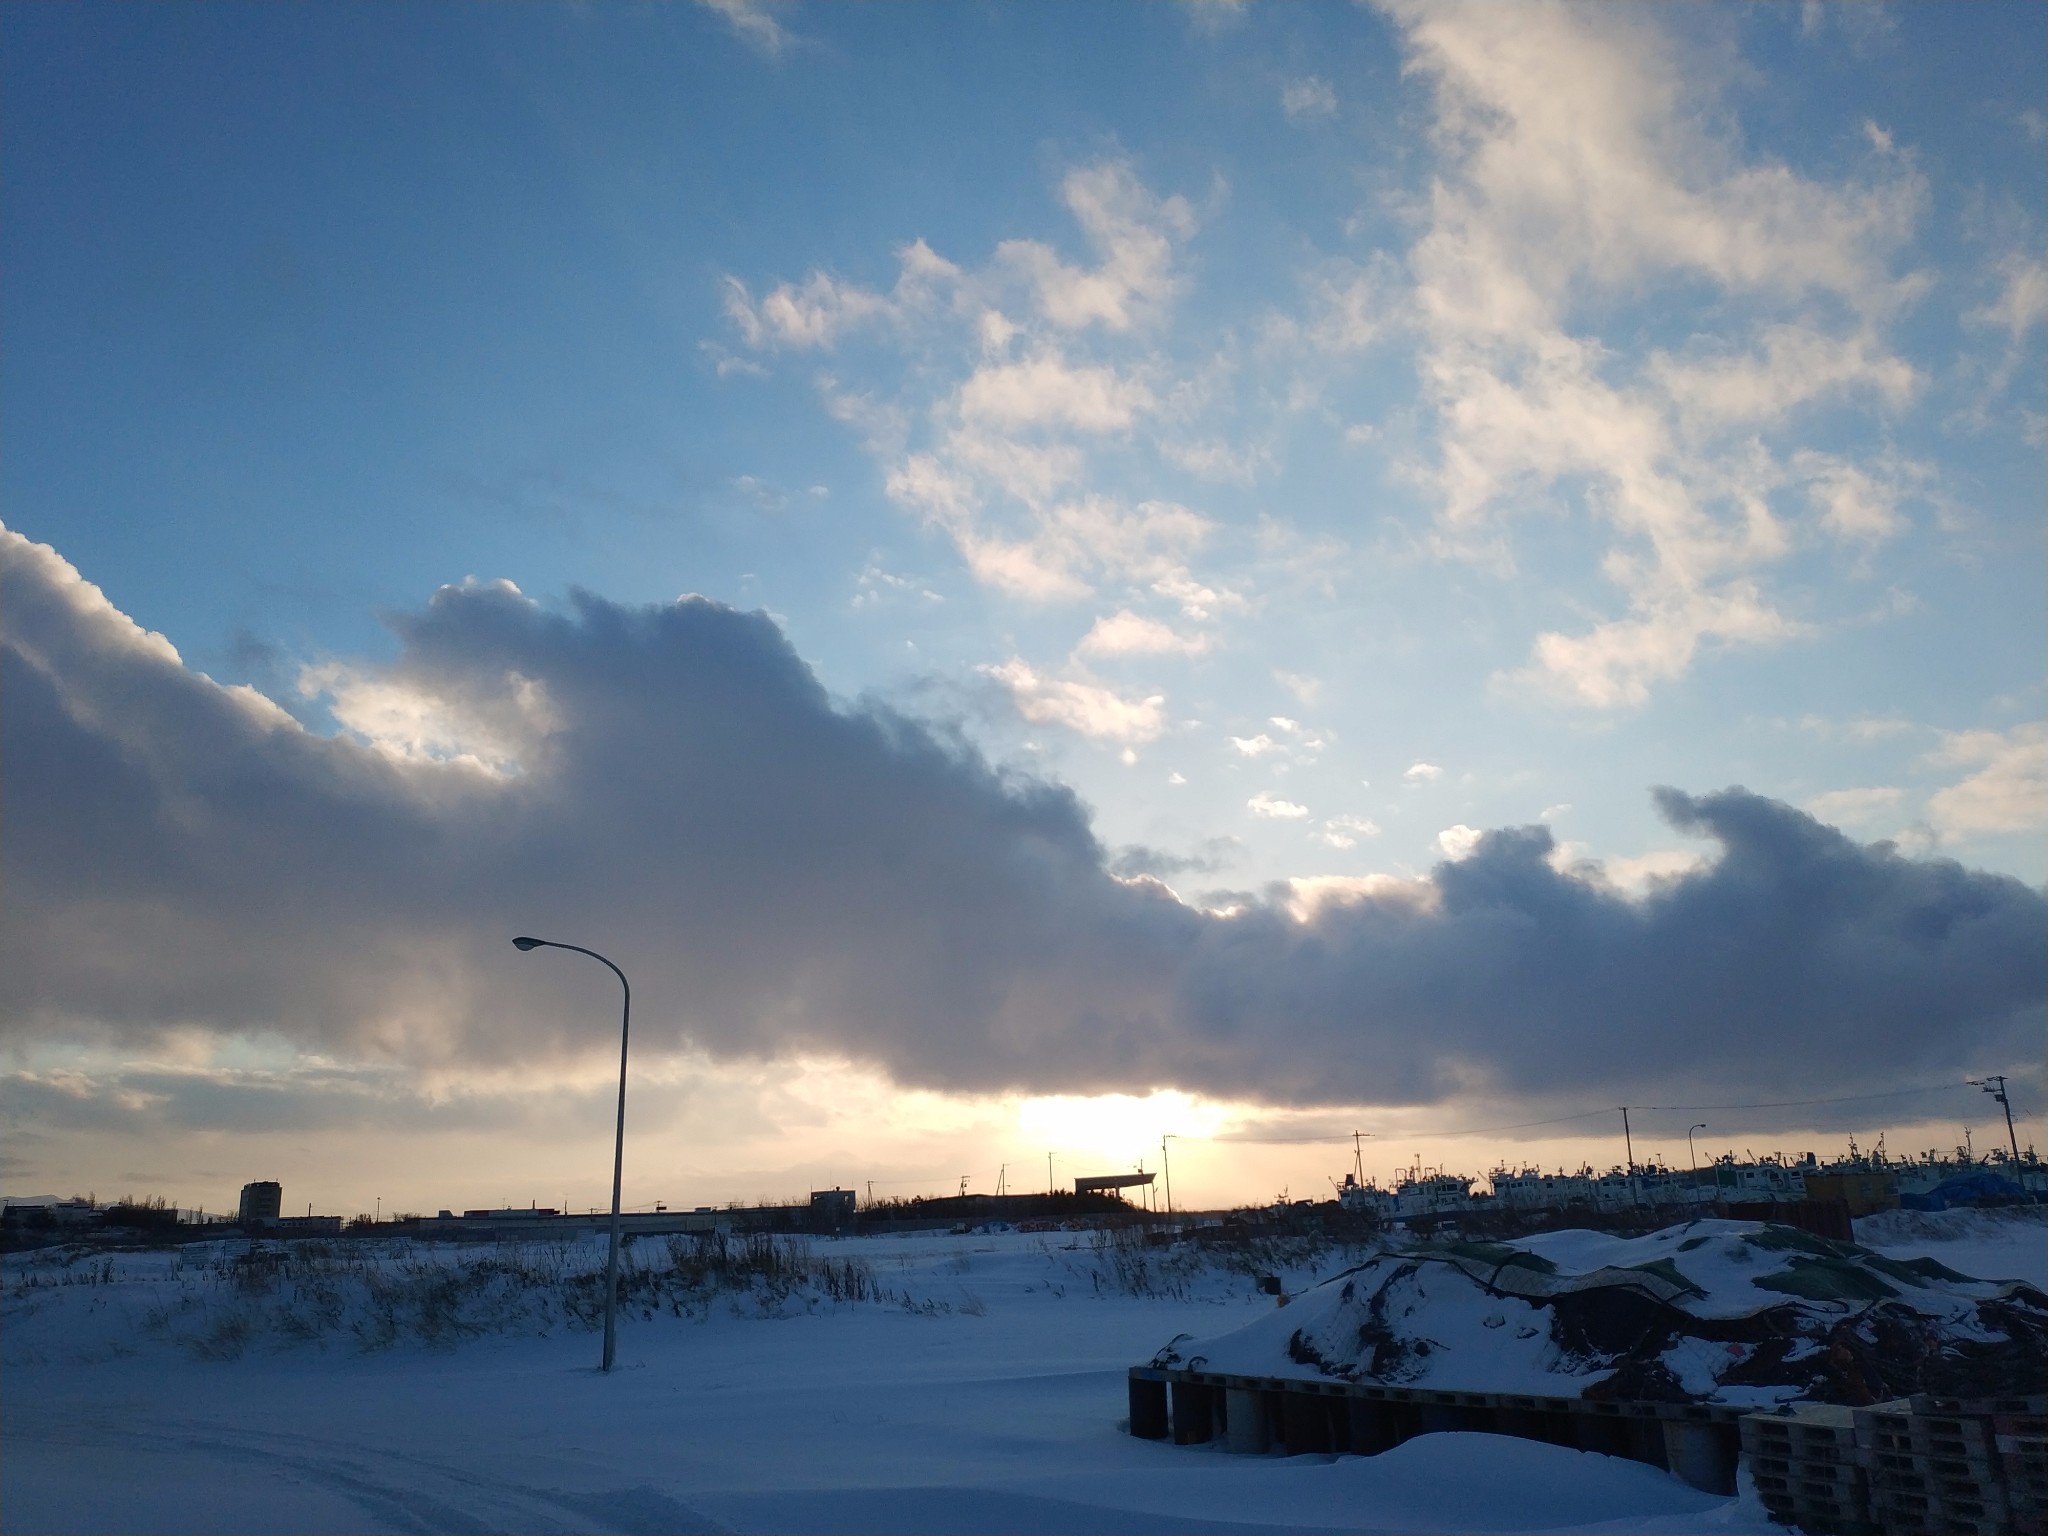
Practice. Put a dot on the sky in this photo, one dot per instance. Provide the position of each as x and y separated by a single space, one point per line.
1041 578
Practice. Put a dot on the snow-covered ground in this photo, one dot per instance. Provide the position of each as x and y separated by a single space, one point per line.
981 1392
1992 1245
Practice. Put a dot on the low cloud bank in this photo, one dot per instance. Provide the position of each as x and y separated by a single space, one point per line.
779 872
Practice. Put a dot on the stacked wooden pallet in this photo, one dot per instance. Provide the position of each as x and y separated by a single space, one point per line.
1919 1466
2021 1438
1807 1465
1933 1471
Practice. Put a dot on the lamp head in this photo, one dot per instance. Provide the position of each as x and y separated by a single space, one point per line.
525 943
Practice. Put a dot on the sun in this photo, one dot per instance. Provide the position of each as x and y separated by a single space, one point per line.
1110 1131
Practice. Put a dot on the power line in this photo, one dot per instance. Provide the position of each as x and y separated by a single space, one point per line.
1853 1098
1483 1130
1522 1125
1606 1109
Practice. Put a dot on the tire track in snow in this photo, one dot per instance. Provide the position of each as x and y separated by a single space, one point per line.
410 1495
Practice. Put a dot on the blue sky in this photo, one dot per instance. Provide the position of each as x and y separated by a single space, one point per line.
1314 435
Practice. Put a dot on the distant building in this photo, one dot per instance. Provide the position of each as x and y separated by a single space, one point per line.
262 1203
50 1213
1863 1191
1111 1183
309 1226
831 1209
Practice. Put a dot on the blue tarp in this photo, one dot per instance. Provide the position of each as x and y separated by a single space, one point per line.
1981 1187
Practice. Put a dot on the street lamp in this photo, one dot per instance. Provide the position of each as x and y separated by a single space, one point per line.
1692 1152
611 1269
1167 1165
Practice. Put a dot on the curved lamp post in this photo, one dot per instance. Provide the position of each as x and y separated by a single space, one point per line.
1694 1155
611 1269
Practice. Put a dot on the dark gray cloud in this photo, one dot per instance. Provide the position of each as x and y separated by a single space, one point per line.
1208 856
778 871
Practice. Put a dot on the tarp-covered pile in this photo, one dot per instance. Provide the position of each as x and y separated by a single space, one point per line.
1731 1312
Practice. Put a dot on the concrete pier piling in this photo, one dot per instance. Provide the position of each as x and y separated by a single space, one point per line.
1194 1417
1244 1422
1148 1406
1305 1424
1701 1454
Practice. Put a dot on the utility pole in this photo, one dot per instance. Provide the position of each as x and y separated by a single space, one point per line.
1629 1143
1993 1083
1167 1163
1048 1173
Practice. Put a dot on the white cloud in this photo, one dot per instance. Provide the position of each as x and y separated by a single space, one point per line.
1634 875
1311 96
1553 812
410 721
1418 773
2022 302
1345 831
1616 663
1346 306
1855 504
1196 600
2007 793
1125 633
1059 554
411 724
815 314
1710 390
1295 743
1866 729
812 315
1266 804
1133 234
994 433
1308 690
1047 391
875 586
1215 16
1309 896
1458 841
1553 203
1214 460
752 20
1855 807
1080 704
